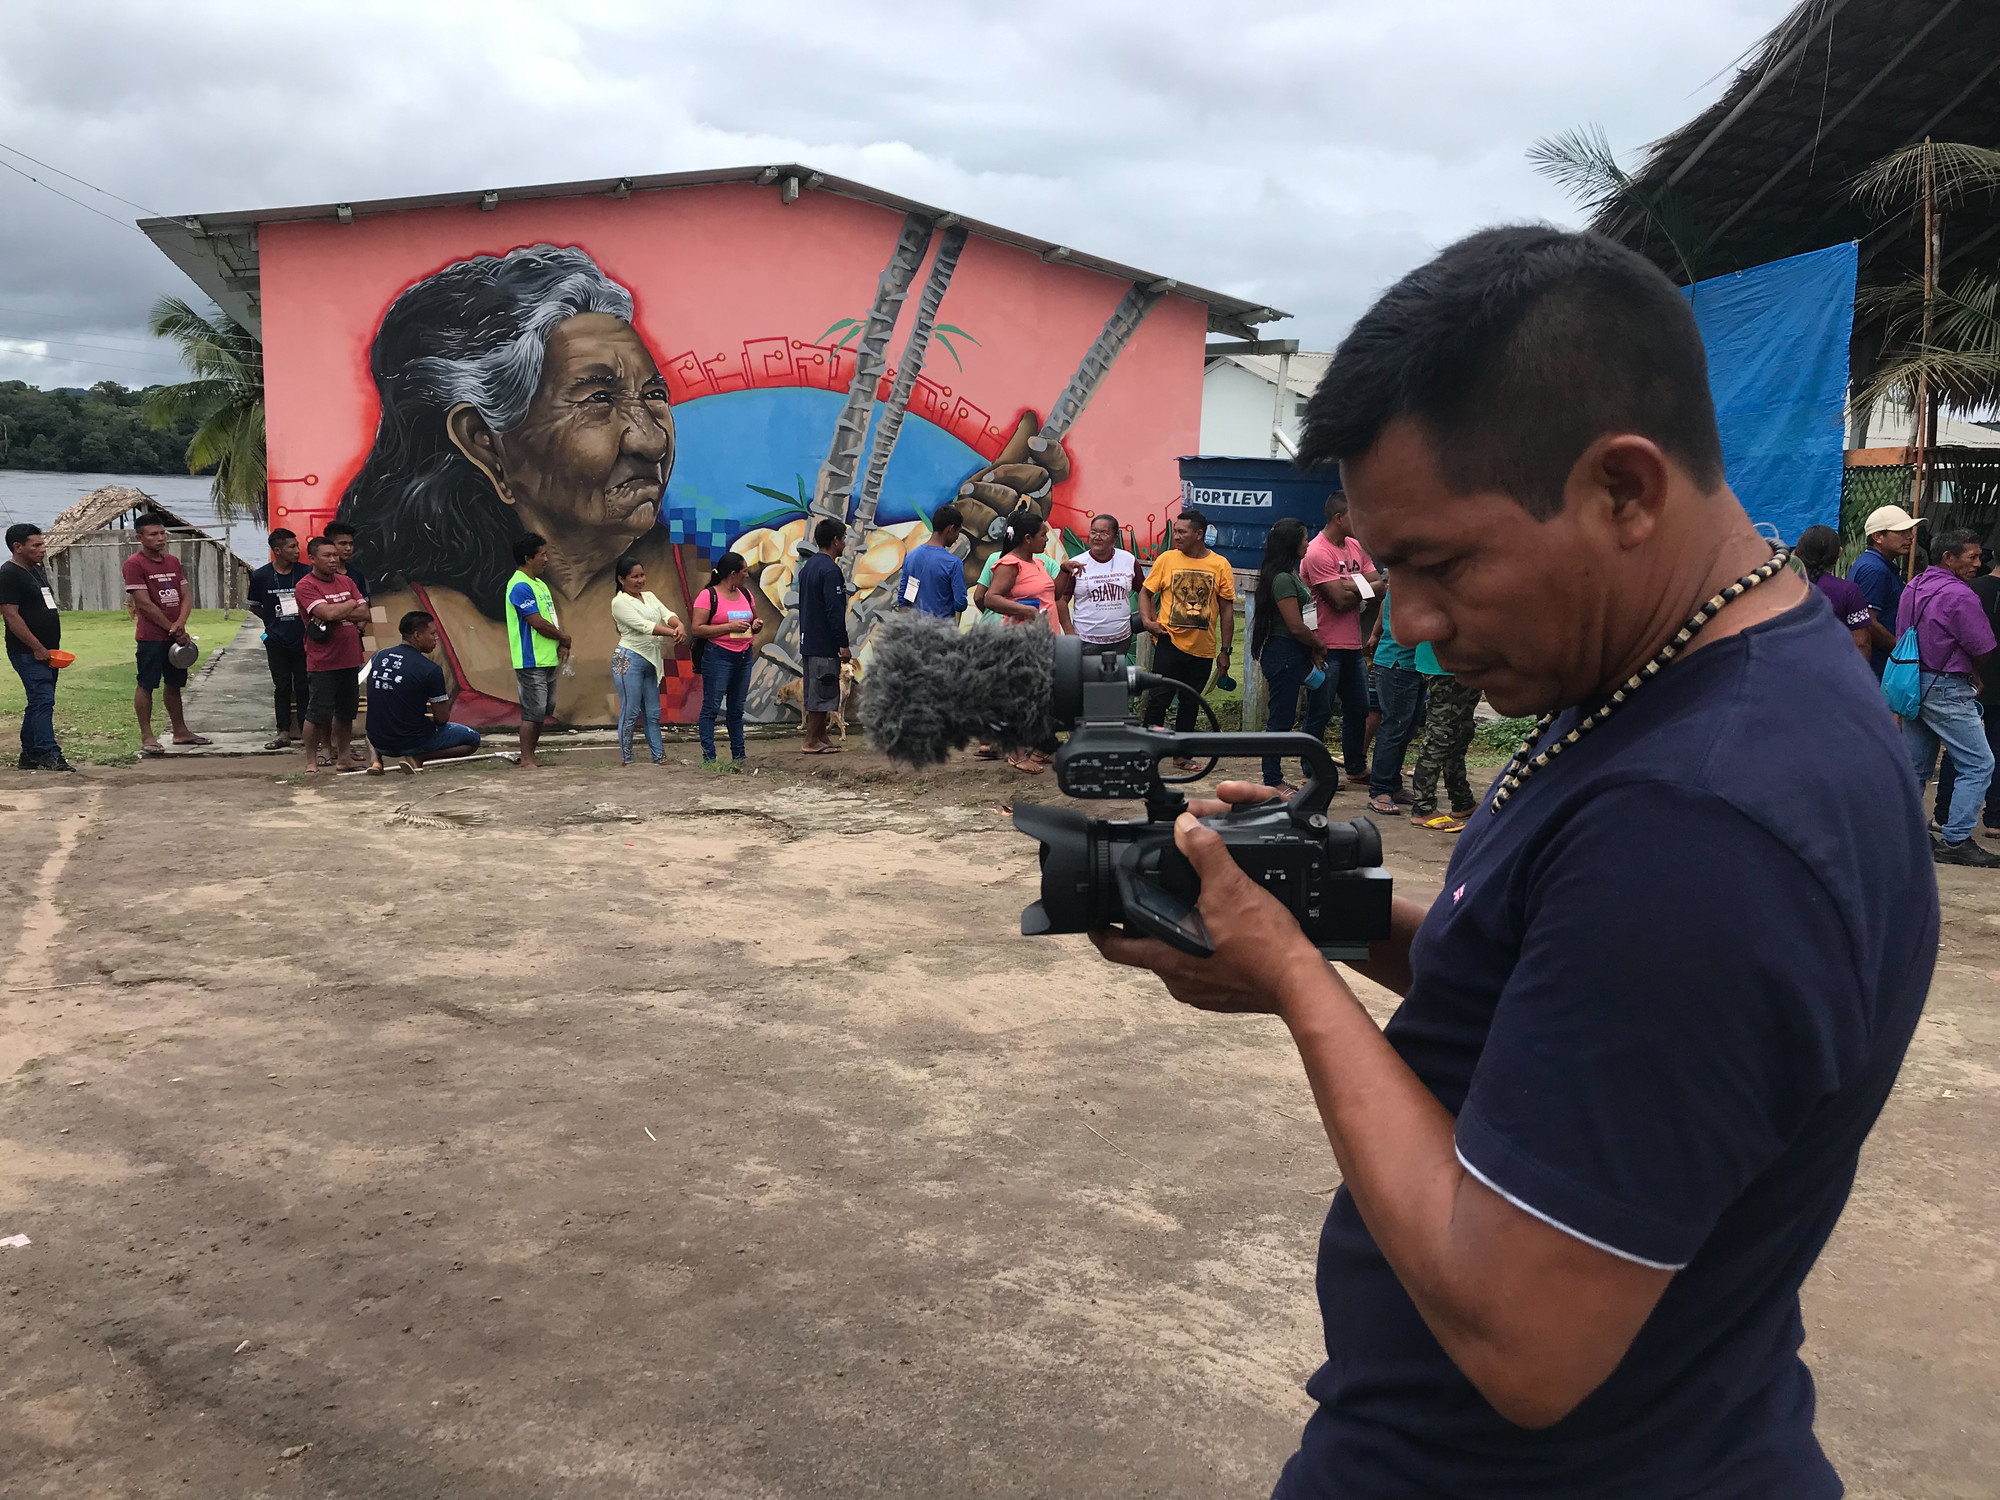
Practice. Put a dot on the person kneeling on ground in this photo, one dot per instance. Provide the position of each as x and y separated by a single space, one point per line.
408 703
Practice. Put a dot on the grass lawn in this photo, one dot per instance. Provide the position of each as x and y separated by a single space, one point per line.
94 719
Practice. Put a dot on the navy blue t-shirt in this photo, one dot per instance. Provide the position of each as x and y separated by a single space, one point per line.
403 683
271 595
822 607
1882 586
1665 992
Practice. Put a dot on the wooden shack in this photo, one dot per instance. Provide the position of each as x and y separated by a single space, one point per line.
89 542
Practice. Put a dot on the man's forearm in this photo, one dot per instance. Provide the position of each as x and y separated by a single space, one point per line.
1534 1318
18 628
151 611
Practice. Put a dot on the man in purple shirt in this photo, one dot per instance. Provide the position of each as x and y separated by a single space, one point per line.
1953 638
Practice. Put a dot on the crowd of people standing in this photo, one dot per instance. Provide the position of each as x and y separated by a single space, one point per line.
1323 635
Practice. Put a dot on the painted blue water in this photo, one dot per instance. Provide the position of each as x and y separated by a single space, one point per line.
778 439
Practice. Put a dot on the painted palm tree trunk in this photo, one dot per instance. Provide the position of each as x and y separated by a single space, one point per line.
1097 361
907 369
850 432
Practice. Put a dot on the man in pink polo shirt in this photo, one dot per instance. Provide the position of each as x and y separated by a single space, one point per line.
1343 578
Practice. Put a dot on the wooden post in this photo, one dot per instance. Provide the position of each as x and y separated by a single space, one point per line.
1924 416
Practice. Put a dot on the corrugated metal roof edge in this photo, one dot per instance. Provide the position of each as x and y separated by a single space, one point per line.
810 178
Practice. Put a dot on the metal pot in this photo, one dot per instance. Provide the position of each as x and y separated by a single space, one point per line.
183 654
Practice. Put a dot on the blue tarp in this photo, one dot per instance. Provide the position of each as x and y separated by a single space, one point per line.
1777 362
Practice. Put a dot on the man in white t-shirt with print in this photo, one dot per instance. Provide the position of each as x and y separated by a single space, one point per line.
1099 585
1343 578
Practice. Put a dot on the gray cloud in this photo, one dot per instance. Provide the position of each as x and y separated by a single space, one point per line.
1298 154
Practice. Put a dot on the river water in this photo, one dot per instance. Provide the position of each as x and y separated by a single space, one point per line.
34 495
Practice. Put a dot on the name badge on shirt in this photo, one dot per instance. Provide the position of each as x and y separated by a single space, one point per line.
909 591
288 604
48 597
1309 615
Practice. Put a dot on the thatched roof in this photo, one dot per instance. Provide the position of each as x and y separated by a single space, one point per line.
100 508
1767 170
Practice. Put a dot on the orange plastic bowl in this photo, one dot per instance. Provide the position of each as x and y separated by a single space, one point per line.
61 659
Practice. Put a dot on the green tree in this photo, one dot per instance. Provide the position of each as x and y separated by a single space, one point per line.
1942 343
226 399
1582 164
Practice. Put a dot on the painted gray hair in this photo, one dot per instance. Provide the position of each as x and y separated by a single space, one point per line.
551 284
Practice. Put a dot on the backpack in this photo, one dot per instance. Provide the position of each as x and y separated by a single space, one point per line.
1903 676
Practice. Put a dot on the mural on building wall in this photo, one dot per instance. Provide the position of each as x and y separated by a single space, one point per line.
528 389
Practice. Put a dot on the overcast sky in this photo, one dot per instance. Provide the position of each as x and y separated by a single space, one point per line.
1302 155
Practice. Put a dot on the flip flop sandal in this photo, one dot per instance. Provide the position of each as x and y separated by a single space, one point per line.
157 752
277 744
1381 805
1463 812
1440 823
986 752
200 739
1028 764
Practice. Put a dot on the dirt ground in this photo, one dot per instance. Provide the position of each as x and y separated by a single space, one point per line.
658 1133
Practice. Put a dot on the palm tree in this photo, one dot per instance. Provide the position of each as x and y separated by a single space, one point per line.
1942 344
1581 163
226 397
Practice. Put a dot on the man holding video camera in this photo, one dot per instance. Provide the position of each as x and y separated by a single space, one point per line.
1662 997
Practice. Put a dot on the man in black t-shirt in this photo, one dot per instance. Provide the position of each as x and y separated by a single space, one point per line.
1661 999
408 702
272 590
33 629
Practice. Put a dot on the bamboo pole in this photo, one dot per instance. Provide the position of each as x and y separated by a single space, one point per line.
1925 415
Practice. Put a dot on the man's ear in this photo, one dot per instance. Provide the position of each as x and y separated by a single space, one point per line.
1628 479
472 437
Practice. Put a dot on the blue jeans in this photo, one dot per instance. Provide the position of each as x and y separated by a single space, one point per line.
1286 666
1400 691
638 687
1950 716
443 737
1347 678
38 719
725 677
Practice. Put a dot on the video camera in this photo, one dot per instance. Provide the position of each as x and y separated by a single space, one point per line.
1100 871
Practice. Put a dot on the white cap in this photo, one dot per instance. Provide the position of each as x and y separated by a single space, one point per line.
1888 518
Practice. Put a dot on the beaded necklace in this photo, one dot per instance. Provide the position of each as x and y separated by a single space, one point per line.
1526 761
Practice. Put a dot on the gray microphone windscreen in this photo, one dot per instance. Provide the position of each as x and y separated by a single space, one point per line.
931 689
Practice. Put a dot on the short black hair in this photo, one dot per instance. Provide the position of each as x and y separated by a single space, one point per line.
1956 540
1336 504
1105 515
414 621
528 544
282 534
150 518
945 517
313 544
1516 349
1189 513
333 531
19 533
829 531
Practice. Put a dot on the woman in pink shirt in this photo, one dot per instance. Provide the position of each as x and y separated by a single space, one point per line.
1022 592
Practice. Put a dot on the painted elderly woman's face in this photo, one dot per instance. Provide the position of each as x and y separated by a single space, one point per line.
594 451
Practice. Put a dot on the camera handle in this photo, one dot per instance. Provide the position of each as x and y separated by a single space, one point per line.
1307 809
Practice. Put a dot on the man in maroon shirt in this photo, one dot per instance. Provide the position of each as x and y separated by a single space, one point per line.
161 604
332 606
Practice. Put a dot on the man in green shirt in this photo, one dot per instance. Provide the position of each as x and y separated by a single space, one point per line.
537 644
